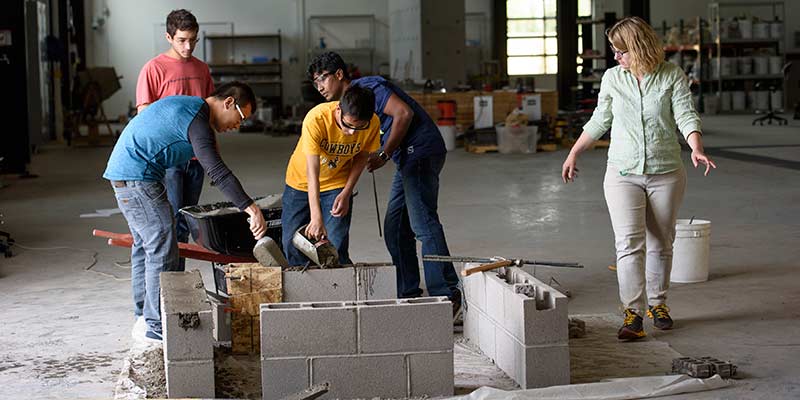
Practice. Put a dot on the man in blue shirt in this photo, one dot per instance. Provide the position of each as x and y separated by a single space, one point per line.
411 139
166 134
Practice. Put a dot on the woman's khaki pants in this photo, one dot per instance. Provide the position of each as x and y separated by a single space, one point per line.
643 209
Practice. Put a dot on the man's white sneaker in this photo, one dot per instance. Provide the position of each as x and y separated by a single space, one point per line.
139 328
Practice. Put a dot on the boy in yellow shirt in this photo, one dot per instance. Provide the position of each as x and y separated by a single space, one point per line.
333 149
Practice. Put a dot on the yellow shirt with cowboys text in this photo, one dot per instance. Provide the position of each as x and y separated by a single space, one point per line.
322 136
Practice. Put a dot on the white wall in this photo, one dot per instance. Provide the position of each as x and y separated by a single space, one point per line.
126 41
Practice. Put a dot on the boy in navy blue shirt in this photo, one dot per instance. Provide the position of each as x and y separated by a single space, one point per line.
412 140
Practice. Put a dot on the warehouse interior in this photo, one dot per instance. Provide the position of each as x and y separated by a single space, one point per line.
510 85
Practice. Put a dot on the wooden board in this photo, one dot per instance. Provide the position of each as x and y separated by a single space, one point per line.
249 286
481 148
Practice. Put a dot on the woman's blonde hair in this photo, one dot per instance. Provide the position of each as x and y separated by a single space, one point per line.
634 35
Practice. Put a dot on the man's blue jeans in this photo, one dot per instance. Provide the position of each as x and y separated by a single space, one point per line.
184 185
297 213
150 219
412 213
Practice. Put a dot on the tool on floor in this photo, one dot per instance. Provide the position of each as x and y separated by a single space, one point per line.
703 367
377 210
269 254
321 252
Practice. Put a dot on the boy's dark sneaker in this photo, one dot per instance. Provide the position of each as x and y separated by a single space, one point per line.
632 327
660 316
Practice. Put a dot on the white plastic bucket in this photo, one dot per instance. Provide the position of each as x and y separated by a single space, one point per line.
761 30
725 101
776 30
738 100
762 100
761 65
519 139
449 135
777 100
775 65
690 251
745 65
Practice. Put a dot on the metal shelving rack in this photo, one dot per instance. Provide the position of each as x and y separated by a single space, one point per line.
703 51
358 52
588 82
736 46
266 78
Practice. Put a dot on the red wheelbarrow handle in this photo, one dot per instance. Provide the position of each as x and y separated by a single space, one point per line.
186 250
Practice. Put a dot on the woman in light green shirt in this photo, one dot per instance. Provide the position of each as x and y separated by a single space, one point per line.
643 100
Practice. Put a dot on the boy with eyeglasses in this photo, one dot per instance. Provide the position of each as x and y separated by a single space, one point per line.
168 133
336 140
411 139
177 72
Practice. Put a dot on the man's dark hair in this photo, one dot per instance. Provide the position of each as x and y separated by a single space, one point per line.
330 62
358 102
181 20
242 94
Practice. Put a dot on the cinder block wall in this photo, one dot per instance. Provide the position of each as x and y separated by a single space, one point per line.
521 323
187 324
365 349
340 284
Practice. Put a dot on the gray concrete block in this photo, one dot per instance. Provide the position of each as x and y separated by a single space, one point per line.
190 379
508 354
374 283
354 377
188 336
534 315
405 325
544 366
430 374
186 317
284 376
221 321
475 287
471 324
333 284
495 287
486 332
308 329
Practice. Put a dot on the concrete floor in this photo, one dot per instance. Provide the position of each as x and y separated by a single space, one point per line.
65 331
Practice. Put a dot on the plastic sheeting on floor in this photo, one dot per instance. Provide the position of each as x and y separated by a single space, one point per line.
613 389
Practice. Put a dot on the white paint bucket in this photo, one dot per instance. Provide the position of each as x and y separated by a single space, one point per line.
727 66
449 135
761 30
775 65
691 250
761 65
725 101
745 65
738 100
745 28
776 30
777 100
762 100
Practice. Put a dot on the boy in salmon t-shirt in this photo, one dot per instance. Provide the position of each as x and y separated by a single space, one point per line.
174 72
177 72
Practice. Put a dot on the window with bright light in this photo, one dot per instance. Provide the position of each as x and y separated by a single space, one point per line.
584 11
531 40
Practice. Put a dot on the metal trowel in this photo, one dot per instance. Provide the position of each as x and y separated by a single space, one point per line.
320 252
269 254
